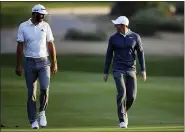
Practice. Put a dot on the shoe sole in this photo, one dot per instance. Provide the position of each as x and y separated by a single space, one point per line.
35 128
43 126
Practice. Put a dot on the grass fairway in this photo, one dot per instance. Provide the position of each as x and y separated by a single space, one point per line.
56 4
132 129
81 101
156 65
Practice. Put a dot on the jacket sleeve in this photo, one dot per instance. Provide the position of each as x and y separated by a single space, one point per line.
140 54
109 55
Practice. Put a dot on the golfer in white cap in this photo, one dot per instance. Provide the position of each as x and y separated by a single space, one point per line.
124 44
36 42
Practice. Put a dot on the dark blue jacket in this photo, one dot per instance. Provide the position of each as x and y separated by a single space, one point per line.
124 49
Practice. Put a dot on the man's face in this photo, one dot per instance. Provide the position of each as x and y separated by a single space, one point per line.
39 17
120 27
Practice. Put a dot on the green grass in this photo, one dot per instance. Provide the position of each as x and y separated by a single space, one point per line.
81 101
61 4
14 13
132 129
156 65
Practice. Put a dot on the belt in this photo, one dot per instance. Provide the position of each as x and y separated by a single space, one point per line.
36 59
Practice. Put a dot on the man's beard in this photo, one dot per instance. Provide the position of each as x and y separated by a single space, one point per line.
39 18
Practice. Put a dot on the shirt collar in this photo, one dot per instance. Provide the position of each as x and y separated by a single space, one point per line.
128 32
30 22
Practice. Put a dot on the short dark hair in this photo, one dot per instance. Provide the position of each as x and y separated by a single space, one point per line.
37 13
124 24
34 13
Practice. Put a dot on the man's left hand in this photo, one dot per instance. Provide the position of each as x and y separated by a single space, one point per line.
144 75
54 67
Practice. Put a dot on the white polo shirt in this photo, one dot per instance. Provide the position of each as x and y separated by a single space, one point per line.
35 38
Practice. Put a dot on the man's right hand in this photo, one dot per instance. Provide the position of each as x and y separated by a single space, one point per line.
105 77
18 70
144 75
54 67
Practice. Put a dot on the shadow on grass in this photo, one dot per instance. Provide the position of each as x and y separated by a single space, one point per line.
156 65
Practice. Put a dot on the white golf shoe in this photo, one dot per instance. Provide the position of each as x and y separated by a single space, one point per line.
42 117
35 125
123 125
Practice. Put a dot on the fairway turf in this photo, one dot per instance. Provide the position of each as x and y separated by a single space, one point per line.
81 101
59 4
156 65
132 129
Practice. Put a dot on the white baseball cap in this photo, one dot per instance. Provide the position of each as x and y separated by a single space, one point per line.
40 9
121 20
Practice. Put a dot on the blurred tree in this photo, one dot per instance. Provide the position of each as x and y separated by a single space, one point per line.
167 8
77 34
127 8
179 7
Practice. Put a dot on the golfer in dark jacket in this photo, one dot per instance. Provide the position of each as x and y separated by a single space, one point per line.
124 44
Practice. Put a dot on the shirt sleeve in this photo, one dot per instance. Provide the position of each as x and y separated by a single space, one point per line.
49 36
108 58
140 53
20 34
